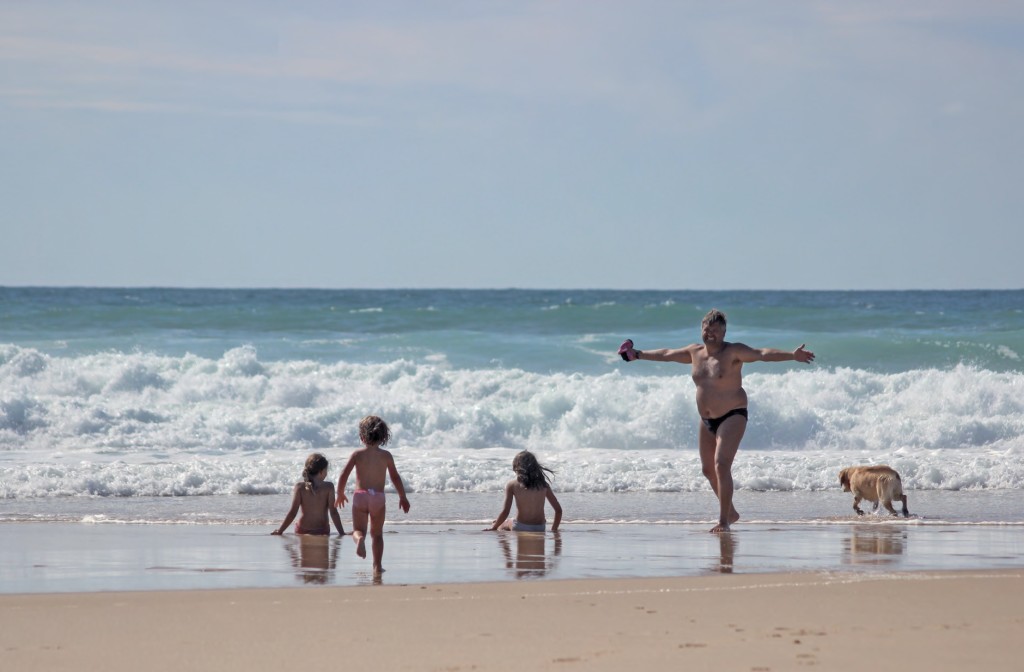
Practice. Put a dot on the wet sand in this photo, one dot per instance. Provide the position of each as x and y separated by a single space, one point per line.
831 621
876 593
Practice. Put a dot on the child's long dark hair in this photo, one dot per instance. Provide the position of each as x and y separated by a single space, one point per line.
315 463
530 472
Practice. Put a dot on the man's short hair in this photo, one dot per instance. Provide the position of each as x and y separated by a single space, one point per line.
714 316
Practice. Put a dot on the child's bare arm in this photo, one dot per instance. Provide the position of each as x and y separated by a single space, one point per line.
505 510
296 502
396 480
332 508
553 501
343 480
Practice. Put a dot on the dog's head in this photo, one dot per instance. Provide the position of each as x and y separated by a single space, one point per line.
844 479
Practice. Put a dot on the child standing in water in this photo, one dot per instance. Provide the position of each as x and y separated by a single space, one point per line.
315 498
372 464
529 489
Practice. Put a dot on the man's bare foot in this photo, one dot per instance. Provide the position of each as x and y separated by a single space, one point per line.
361 546
724 527
377 570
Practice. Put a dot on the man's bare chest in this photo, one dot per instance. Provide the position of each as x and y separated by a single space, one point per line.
713 368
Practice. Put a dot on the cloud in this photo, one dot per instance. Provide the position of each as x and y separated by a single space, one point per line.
674 68
363 65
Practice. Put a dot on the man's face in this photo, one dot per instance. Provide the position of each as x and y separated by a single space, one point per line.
713 333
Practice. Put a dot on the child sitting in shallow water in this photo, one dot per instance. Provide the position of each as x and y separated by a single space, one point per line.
316 500
529 489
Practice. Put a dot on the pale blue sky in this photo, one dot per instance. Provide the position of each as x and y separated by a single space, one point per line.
569 144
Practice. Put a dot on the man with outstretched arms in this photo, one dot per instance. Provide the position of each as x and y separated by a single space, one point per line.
721 400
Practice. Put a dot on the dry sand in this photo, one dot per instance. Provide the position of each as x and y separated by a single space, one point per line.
933 621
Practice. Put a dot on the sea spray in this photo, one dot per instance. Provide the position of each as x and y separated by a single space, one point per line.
122 424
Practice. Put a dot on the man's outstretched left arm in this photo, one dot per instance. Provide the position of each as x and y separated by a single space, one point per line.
801 354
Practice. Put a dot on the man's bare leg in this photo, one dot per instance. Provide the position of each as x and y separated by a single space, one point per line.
708 446
710 449
730 433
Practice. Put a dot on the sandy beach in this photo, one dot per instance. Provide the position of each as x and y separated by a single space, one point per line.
833 621
837 594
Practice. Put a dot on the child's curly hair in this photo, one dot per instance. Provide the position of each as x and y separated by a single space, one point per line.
530 472
373 431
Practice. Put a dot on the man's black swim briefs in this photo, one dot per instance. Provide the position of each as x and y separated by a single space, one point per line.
713 423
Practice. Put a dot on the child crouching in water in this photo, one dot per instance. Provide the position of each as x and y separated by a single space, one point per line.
529 489
315 498
372 465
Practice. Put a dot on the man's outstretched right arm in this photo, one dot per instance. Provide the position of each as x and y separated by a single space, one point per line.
678 355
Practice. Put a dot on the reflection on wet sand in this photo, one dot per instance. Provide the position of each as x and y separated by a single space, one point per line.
314 556
529 559
726 552
874 545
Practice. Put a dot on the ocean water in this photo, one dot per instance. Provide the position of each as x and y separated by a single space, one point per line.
196 408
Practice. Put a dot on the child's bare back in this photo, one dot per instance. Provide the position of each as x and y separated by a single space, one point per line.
315 506
529 490
372 466
529 502
314 497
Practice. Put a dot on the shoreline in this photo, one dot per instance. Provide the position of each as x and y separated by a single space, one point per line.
840 620
85 558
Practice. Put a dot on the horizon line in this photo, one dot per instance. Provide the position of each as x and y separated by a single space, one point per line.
497 289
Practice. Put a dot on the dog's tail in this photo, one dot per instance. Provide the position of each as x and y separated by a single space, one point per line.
890 485
897 493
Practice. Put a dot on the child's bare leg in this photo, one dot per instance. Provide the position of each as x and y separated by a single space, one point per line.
360 538
378 554
359 517
377 534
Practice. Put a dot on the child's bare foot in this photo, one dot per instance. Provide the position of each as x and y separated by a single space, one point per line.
734 516
721 527
377 570
360 545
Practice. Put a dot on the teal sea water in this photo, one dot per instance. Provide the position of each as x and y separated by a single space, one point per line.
156 392
196 408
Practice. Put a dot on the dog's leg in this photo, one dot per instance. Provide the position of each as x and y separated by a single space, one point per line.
856 501
888 505
906 511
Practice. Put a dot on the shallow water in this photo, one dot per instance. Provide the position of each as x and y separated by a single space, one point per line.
441 541
966 507
63 557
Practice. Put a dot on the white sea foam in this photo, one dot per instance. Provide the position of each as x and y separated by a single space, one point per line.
116 424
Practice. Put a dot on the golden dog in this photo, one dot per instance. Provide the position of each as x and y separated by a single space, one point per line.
874 483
